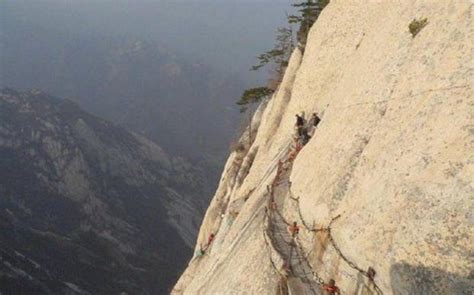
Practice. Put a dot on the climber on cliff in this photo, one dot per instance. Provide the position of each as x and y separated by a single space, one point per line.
210 239
202 250
331 288
305 137
294 229
299 124
313 123
315 120
371 274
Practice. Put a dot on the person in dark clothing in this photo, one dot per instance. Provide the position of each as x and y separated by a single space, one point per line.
299 120
371 274
299 124
315 120
305 137
312 124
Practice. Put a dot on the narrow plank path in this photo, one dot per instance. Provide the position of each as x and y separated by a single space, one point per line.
296 265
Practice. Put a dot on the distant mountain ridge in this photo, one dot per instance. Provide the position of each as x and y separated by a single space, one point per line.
87 207
130 81
383 190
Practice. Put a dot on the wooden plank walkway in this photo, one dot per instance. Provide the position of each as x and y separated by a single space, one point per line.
297 266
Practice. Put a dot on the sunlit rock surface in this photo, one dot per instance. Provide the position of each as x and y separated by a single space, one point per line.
393 156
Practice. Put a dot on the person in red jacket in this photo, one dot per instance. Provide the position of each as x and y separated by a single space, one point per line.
210 239
294 229
331 288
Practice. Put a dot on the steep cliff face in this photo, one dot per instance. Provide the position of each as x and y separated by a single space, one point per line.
386 180
87 207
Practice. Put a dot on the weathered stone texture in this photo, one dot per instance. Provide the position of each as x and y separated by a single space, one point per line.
393 155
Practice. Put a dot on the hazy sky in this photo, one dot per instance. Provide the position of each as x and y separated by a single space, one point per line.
72 49
226 33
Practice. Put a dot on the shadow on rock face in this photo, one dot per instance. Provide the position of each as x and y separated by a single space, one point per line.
409 279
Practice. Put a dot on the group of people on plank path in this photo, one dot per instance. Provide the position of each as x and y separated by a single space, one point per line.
305 130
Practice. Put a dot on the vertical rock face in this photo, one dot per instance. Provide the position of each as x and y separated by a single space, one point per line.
87 207
392 156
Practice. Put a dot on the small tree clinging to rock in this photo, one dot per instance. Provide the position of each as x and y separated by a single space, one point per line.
417 25
278 57
254 95
280 54
309 12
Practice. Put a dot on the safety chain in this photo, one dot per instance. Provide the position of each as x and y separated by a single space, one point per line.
272 199
279 232
270 254
271 168
349 262
276 181
300 262
316 277
331 239
298 207
281 216
280 170
302 219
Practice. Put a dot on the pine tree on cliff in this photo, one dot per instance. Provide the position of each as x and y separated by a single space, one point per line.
309 13
280 54
277 58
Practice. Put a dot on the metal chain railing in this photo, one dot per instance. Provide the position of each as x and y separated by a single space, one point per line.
294 252
352 264
269 231
282 290
281 169
338 250
331 239
316 277
282 217
282 238
300 215
269 247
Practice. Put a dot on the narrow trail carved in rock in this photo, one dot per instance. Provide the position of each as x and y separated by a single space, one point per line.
295 263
